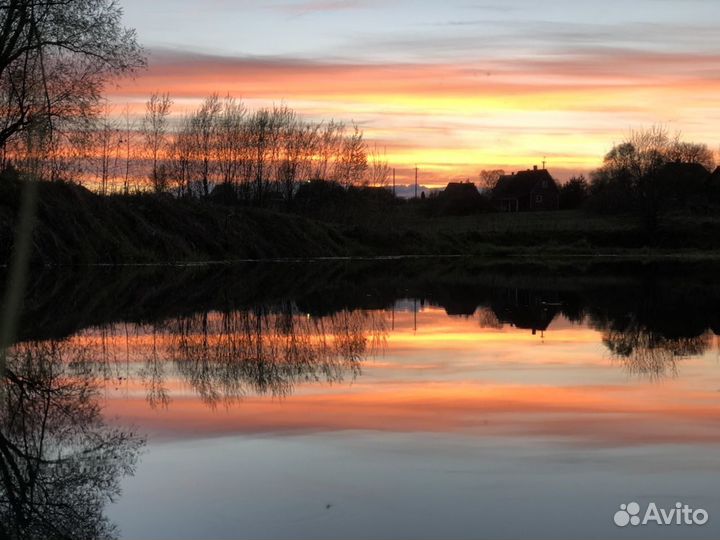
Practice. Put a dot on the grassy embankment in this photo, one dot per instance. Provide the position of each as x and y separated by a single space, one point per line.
75 226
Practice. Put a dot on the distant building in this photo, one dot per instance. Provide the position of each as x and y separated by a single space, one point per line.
460 198
524 191
460 190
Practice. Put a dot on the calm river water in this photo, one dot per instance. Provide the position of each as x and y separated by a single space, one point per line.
400 400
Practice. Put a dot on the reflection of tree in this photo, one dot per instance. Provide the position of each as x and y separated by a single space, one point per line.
59 463
488 319
154 376
225 356
649 353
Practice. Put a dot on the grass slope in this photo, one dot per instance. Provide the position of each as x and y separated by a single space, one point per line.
75 226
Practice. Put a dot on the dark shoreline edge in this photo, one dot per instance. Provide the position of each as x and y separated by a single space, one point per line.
664 294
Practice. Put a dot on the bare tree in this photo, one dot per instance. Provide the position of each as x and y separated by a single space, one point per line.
635 174
106 143
181 156
127 142
378 171
300 141
55 57
204 128
291 134
61 462
231 140
155 127
329 142
689 152
352 161
490 178
259 138
270 149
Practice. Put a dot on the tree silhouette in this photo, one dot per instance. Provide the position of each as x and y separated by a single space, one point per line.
59 462
634 176
55 57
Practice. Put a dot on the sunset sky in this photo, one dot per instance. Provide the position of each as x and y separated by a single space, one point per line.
453 86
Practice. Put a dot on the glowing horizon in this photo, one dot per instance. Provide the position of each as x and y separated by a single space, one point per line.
452 90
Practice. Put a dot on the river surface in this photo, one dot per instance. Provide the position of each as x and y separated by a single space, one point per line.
373 401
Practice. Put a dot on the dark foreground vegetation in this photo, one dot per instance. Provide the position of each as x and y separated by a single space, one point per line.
75 226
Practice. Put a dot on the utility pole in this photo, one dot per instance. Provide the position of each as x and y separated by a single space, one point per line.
393 181
415 315
416 180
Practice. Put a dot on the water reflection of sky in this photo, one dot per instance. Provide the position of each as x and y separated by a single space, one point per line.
457 427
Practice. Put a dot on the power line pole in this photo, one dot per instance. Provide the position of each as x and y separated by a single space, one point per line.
416 180
415 315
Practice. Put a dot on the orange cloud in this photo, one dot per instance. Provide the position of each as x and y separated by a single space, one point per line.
455 118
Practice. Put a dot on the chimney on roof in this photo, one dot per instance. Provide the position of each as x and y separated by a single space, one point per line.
534 167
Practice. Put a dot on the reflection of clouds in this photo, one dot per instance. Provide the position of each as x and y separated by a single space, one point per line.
449 375
608 415
451 114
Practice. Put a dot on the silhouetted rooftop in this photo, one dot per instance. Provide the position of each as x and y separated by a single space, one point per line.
685 170
460 189
520 183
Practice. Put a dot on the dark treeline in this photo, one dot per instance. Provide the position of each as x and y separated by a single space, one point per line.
272 157
650 174
649 171
221 149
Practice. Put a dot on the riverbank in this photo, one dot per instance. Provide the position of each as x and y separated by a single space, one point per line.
77 227
74 226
